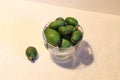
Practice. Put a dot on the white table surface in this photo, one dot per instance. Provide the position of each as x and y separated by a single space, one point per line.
21 24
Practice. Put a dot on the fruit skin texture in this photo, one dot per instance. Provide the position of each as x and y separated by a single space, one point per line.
76 36
65 43
52 36
70 28
63 31
31 53
56 24
60 18
71 21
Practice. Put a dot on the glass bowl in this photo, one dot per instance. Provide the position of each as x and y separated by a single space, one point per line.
61 54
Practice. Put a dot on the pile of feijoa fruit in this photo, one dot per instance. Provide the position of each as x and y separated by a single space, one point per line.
63 32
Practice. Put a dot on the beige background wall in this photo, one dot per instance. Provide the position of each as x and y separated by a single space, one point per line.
106 6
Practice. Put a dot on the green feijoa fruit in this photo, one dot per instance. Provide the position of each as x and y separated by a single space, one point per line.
52 36
53 25
63 31
56 24
31 53
71 21
60 18
70 28
76 36
66 43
